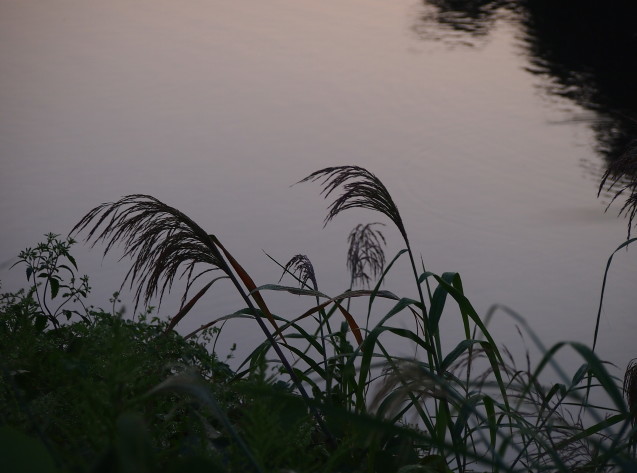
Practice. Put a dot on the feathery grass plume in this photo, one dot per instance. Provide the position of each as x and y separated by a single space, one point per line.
621 176
302 265
159 239
365 251
361 189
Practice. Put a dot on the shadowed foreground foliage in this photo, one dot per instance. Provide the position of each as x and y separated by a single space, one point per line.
86 390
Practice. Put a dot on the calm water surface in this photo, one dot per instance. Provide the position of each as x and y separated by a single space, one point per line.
217 107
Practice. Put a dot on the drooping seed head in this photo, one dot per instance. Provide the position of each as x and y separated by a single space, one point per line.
301 265
160 239
360 189
365 253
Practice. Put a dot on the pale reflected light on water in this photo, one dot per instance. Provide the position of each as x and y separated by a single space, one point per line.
217 107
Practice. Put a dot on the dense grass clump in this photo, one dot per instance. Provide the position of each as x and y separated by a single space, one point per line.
87 390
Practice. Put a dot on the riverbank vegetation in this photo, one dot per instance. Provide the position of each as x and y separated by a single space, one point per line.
87 390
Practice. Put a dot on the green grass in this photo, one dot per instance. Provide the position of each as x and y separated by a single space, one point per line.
323 392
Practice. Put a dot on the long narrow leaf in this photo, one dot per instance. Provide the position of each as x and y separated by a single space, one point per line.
186 308
601 297
247 281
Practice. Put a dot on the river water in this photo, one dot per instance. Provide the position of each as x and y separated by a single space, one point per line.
217 107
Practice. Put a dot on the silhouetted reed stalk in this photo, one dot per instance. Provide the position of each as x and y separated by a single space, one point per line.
160 239
301 267
362 189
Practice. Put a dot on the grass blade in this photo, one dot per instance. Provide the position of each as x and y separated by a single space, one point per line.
247 281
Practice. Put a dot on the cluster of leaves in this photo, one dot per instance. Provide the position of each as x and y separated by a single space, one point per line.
79 389
51 268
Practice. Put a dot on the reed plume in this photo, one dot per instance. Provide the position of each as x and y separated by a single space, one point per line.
365 253
361 189
158 238
301 265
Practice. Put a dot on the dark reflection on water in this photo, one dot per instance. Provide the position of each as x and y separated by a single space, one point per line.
585 50
462 22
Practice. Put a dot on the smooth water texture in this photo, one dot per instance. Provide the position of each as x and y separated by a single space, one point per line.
217 107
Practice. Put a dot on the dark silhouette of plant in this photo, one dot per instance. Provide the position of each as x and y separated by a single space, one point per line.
361 189
630 392
52 270
302 269
473 410
301 265
160 239
365 253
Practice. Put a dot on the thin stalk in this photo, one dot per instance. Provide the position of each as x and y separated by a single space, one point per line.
321 317
277 349
422 263
328 380
433 357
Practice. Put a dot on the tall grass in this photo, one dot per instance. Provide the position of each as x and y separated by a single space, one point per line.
468 408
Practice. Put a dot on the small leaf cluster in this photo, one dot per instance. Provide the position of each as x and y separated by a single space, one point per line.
51 268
